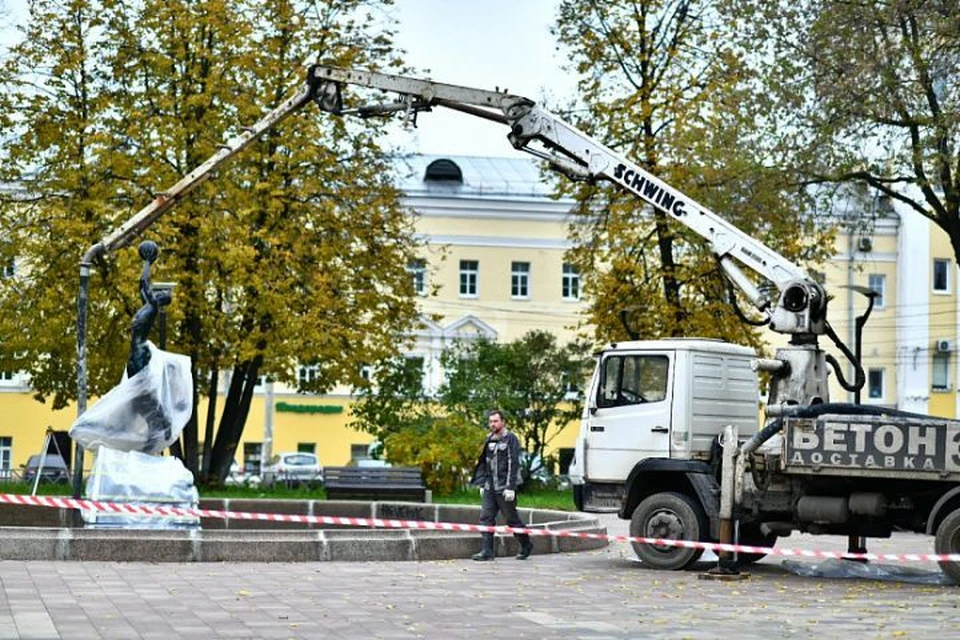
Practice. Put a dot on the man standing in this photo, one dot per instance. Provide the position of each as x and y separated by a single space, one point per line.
497 474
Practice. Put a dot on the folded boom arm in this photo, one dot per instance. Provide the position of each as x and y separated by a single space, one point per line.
801 305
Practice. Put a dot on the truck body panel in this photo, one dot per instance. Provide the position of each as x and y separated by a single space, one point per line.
723 390
876 446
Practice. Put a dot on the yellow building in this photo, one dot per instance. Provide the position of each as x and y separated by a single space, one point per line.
494 266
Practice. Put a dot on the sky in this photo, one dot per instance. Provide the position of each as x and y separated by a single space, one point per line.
483 44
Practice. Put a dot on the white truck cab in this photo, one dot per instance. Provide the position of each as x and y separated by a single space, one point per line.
658 399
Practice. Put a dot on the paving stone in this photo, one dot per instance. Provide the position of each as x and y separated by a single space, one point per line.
594 594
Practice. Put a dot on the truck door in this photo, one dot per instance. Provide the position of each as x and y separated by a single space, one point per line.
631 414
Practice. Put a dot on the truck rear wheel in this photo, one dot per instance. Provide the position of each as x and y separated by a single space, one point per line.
670 516
948 541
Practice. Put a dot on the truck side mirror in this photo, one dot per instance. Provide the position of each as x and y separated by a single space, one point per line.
593 409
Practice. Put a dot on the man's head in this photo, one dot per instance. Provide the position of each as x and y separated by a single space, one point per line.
495 421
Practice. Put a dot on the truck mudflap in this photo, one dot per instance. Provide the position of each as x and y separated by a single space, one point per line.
894 446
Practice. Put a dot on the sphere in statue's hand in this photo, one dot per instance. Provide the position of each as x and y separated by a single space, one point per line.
149 250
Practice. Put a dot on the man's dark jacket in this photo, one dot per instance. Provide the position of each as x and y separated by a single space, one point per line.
498 467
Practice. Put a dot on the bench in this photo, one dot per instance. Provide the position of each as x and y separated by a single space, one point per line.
374 483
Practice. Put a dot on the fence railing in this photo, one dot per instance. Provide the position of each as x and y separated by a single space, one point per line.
10 475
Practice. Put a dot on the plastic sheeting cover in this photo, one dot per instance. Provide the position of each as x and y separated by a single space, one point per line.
833 568
137 478
145 412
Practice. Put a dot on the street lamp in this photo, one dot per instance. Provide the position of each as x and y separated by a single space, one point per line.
858 544
164 289
163 292
859 323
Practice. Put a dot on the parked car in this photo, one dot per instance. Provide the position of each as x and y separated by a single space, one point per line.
296 468
539 473
239 476
54 469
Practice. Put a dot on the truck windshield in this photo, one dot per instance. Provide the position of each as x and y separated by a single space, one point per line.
632 379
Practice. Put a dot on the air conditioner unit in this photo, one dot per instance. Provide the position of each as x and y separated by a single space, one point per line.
944 346
864 244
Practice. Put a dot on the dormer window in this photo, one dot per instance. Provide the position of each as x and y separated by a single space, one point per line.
443 170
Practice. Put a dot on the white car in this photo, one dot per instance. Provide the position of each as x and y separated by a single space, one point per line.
238 477
295 468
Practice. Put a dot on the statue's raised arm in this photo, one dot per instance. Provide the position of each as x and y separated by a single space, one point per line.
143 320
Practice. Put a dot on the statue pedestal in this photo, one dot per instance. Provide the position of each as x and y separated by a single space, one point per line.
137 478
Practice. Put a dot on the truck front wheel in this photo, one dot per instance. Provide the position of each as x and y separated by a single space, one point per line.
669 516
948 541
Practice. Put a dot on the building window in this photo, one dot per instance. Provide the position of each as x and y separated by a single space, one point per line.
520 280
414 366
941 275
359 452
469 269
307 375
570 283
878 284
6 452
941 371
307 447
9 379
875 384
418 271
252 457
571 389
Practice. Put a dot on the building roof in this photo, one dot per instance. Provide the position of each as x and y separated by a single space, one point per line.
478 176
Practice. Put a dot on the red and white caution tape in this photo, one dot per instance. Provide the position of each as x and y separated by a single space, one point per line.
150 510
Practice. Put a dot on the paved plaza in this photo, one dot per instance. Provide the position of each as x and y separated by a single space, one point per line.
596 594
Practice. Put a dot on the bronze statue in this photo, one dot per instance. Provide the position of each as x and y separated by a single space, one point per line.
147 411
144 318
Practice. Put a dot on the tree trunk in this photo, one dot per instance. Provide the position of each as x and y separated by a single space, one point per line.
671 287
212 389
236 407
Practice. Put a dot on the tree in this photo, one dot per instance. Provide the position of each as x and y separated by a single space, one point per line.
532 380
869 92
660 84
535 381
413 428
54 108
395 399
294 254
446 450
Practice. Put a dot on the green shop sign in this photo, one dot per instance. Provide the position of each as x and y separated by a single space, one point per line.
287 407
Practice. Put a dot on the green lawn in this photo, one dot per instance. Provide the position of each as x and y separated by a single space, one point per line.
536 499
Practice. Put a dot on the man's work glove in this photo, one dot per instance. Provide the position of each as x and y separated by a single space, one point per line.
509 495
481 492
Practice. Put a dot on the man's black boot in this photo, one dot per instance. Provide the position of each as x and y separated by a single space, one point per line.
526 547
486 553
